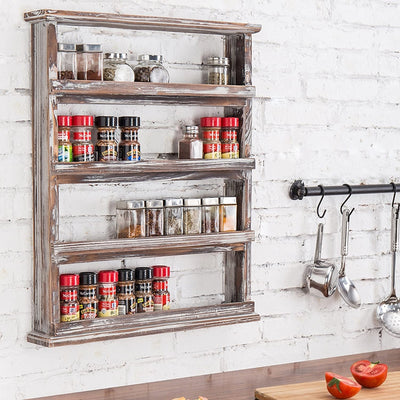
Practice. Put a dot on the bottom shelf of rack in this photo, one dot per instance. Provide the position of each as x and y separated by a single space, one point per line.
68 333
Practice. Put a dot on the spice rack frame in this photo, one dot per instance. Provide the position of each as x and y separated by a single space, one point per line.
50 253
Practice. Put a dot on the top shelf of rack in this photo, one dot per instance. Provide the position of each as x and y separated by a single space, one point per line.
141 22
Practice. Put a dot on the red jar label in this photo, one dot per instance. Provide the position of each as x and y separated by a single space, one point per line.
88 310
83 152
108 308
230 150
84 136
108 292
161 301
211 134
69 295
69 312
212 150
229 135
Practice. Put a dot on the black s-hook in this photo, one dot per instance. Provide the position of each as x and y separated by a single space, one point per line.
323 195
350 193
394 192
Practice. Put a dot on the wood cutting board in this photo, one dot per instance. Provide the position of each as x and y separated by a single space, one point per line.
389 390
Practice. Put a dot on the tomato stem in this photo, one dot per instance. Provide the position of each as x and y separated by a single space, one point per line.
335 381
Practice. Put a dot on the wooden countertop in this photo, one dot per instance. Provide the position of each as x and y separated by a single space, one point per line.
235 385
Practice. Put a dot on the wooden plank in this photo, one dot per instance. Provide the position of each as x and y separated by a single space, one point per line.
146 324
80 18
115 249
317 391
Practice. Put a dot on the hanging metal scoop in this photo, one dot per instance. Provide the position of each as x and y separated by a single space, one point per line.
388 312
346 287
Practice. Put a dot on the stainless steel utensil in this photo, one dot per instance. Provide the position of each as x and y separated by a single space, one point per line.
388 311
346 287
321 276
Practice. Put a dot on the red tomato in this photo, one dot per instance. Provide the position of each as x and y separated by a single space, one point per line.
340 386
369 374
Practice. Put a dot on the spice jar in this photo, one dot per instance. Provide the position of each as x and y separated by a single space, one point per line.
88 302
108 303
129 146
143 289
90 62
82 147
66 61
229 135
161 295
64 135
131 221
227 214
151 69
190 147
106 146
218 70
154 218
210 215
117 69
126 292
173 217
69 306
210 127
191 216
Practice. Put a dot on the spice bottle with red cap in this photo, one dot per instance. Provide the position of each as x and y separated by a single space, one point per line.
161 295
69 305
82 148
64 136
210 128
106 146
229 135
108 303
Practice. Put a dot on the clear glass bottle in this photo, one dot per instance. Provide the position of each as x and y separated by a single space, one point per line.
64 134
218 70
150 69
210 128
210 214
229 135
66 61
82 147
173 217
190 147
191 216
130 219
89 62
154 218
129 146
106 146
227 214
116 68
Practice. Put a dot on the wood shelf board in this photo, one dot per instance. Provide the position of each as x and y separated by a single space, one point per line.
78 252
146 324
80 18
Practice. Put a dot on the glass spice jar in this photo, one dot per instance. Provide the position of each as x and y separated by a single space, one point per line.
131 222
108 303
210 215
190 147
229 135
126 291
66 61
69 305
64 134
161 295
143 289
218 70
106 146
227 214
82 147
150 69
191 216
90 62
154 218
211 127
116 68
88 301
173 217
129 146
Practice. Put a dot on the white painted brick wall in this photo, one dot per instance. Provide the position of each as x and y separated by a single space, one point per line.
327 75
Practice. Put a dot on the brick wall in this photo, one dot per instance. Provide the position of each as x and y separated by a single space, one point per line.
327 74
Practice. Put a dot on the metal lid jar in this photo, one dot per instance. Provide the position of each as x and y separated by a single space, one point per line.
66 61
210 214
218 70
191 216
227 214
116 68
154 218
90 62
190 147
173 217
150 69
130 219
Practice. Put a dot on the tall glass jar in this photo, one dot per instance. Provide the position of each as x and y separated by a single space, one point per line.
154 218
210 128
173 217
106 146
150 69
191 216
129 146
227 214
190 147
218 70
117 69
131 219
90 62
82 147
64 134
210 214
66 61
229 135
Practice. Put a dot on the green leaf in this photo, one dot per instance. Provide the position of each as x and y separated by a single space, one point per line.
335 381
375 362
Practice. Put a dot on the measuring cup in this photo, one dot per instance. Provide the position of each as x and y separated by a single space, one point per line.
320 277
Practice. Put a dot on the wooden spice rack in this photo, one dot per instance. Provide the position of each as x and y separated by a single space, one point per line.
50 253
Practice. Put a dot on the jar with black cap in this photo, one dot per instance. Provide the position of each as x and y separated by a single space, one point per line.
106 146
143 289
129 146
88 301
126 291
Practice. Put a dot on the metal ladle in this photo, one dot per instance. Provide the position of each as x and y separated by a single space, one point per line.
345 286
388 311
